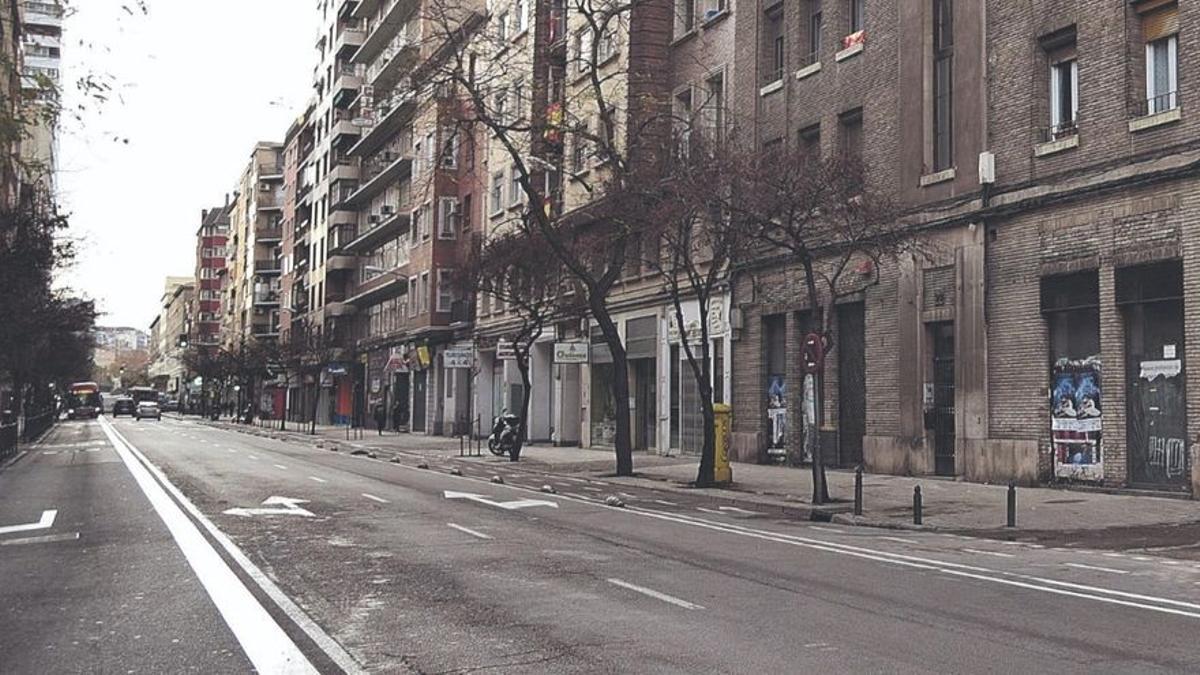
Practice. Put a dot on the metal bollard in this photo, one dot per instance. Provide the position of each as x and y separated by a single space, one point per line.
1012 504
858 502
917 505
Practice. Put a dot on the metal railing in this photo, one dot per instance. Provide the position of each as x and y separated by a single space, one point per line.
1156 104
8 440
1057 132
36 425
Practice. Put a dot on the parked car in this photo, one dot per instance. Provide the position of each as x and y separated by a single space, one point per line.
124 406
171 405
148 409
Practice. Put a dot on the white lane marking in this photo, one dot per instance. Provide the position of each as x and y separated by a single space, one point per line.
469 531
1006 578
665 502
592 489
251 456
231 451
734 509
1114 555
712 511
826 529
280 466
44 539
376 499
43 523
995 553
266 644
332 649
655 594
900 539
1098 569
50 452
318 480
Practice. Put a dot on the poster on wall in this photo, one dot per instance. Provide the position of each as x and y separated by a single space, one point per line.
1076 419
777 416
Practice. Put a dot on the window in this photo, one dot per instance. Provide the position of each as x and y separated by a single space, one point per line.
521 20
810 144
583 50
416 157
464 214
683 121
502 27
579 149
943 85
607 48
497 192
856 12
423 289
413 303
814 32
518 101
685 17
772 54
851 143
426 221
514 186
500 105
445 290
448 217
449 147
1064 98
1160 28
430 149
714 108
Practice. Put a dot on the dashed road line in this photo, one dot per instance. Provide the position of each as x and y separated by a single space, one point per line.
373 498
678 602
469 531
280 466
899 539
252 457
665 502
317 480
1096 568
826 529
993 553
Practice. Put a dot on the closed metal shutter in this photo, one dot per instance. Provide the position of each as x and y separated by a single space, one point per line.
1160 22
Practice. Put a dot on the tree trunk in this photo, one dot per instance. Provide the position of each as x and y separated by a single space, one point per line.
316 397
623 443
526 396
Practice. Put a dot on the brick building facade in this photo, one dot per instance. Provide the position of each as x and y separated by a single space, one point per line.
1046 149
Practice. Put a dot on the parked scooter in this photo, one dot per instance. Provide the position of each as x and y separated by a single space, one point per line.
506 429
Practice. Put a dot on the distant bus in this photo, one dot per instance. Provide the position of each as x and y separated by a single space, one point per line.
83 401
139 394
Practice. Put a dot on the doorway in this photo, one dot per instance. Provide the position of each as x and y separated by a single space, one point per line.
419 382
852 383
646 403
943 398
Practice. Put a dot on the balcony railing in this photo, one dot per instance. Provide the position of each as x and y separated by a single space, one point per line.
265 170
1156 104
266 297
267 266
1057 132
268 233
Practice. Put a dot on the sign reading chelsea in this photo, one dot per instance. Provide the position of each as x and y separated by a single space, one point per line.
571 352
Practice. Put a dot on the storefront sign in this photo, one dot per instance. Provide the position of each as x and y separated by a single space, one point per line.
1077 420
396 362
505 351
1152 370
336 369
424 356
575 351
457 357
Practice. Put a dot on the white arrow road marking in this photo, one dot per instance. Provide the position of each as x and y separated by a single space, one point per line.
507 506
655 594
469 531
277 506
45 523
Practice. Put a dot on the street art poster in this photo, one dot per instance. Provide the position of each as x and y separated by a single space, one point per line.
1077 419
777 415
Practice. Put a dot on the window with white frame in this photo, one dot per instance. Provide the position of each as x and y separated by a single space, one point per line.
450 147
521 18
445 290
497 192
685 17
518 101
1064 97
448 217
514 186
415 226
502 26
500 105
426 220
583 50
683 121
417 153
607 48
423 289
714 107
412 302
430 149
1162 66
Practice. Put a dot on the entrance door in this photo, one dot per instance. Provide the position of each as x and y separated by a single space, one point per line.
645 399
420 378
943 398
1157 426
852 383
400 394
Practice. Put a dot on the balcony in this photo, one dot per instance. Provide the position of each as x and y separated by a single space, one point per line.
381 32
271 234
349 39
344 128
265 331
338 308
346 86
269 200
384 225
380 172
365 9
341 262
267 267
390 115
344 170
42 13
266 298
271 172
399 56
381 287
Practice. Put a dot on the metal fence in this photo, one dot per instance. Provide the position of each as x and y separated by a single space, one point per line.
8 440
36 425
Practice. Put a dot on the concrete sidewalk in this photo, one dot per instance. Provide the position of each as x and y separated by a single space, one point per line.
948 505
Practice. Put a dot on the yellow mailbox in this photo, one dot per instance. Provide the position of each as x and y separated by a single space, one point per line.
722 423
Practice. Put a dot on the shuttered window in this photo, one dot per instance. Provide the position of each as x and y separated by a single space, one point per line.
1159 20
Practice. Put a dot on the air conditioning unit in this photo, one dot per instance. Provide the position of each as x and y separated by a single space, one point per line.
373 219
264 187
388 210
258 311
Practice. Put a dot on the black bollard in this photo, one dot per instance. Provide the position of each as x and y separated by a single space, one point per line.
1012 504
858 506
917 505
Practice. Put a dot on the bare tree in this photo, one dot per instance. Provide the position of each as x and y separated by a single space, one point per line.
588 209
534 291
821 215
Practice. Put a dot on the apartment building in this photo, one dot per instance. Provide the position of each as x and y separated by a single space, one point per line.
1047 150
10 99
169 336
41 38
254 256
211 240
397 260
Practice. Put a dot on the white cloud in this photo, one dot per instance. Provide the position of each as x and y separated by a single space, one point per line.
199 83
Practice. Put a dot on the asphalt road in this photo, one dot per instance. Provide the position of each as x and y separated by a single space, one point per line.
351 563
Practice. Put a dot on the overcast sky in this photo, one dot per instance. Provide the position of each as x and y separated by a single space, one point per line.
200 81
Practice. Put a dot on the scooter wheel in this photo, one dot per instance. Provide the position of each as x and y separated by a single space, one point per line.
495 449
